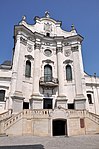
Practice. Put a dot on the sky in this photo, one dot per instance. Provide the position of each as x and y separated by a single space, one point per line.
84 14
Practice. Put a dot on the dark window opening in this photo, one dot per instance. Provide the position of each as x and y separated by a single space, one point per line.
28 69
48 34
82 125
47 73
2 95
89 98
47 104
71 106
59 127
68 73
25 105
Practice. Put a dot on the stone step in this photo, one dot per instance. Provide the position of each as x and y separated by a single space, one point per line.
3 135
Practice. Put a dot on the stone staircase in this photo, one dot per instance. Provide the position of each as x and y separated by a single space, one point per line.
7 119
6 115
25 113
3 118
84 114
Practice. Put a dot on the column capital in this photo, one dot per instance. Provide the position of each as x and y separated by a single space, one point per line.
75 48
23 41
59 49
37 45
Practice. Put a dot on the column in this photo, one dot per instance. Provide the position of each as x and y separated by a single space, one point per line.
36 100
36 73
61 99
16 96
60 71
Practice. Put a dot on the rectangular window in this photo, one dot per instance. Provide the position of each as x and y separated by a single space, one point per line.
82 124
2 95
71 106
47 104
89 98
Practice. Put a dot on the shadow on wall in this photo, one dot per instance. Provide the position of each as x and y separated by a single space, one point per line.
37 146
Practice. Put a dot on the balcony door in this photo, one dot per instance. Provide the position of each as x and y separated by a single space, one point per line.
47 73
47 103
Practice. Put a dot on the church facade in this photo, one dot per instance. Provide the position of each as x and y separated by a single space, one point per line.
44 90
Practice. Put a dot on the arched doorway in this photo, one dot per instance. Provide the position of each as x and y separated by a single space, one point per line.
59 127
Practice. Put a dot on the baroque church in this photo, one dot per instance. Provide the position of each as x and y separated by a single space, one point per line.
44 90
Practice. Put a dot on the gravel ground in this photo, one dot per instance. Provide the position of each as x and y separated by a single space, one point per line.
33 142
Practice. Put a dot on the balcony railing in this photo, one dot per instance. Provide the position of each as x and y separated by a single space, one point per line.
48 81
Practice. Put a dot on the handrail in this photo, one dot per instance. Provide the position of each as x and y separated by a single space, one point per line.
45 113
5 114
26 112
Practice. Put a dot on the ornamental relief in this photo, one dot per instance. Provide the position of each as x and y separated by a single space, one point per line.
29 48
23 41
67 52
47 27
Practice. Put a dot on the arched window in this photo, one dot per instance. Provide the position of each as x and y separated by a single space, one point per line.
28 69
68 73
47 73
2 95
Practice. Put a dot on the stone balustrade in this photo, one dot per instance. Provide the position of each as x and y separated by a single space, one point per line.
13 120
28 114
6 114
45 113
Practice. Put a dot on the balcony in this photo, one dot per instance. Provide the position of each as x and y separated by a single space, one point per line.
48 81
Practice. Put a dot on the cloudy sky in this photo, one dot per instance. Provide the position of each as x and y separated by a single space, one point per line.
84 14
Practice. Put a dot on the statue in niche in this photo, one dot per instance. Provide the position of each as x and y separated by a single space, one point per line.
47 27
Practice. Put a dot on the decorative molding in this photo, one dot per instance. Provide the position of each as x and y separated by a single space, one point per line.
59 49
67 52
47 44
48 61
48 52
37 45
29 57
29 48
30 38
67 61
48 27
90 91
23 41
74 49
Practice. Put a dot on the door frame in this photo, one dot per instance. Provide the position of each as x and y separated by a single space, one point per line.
64 120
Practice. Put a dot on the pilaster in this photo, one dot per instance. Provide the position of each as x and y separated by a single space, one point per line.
36 74
36 101
61 99
78 69
16 94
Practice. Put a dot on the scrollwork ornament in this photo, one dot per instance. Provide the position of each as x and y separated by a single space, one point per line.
29 48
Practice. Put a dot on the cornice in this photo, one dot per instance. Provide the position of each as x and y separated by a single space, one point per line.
47 61
20 28
29 57
67 61
74 38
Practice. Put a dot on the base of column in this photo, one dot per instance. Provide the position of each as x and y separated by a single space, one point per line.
36 102
80 102
17 102
61 102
